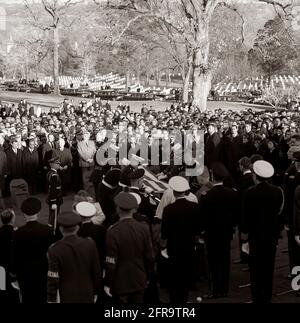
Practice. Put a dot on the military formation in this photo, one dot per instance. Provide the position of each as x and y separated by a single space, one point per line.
122 241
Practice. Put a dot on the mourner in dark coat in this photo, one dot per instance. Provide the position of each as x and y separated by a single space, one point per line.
31 166
179 230
212 146
218 217
29 258
129 254
262 207
74 267
14 160
233 150
65 158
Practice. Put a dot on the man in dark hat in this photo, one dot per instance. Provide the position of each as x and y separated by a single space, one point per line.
218 212
262 208
74 268
55 196
129 254
29 262
132 178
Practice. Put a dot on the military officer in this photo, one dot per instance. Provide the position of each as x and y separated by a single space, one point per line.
218 213
291 181
87 211
55 198
262 208
74 274
129 254
178 231
29 254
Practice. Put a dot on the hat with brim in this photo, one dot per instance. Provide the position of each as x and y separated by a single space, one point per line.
126 201
179 184
263 169
69 219
138 198
54 160
86 209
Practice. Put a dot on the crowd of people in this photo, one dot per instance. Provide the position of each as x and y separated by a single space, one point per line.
121 241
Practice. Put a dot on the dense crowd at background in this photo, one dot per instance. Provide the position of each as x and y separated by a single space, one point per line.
65 141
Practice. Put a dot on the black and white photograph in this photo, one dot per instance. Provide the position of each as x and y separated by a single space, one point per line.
149 154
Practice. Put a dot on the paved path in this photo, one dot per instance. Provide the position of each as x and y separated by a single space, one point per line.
48 100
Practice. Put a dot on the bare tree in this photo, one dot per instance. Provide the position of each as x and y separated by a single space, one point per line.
191 18
49 15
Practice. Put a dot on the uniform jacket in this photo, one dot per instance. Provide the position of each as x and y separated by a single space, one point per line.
98 234
129 254
54 188
218 212
74 270
262 208
29 259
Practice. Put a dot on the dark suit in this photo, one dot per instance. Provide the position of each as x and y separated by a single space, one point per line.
129 254
14 163
98 234
47 152
233 153
218 212
261 220
30 168
212 149
74 270
30 245
179 229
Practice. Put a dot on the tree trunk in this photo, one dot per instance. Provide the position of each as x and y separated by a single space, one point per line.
186 84
56 61
127 80
201 71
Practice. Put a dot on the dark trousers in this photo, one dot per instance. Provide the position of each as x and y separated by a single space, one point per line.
181 278
218 257
52 215
131 298
261 264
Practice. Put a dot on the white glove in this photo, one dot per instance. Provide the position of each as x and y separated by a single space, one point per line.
54 207
297 238
107 291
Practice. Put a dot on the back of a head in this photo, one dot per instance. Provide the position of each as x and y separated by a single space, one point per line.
245 163
7 216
